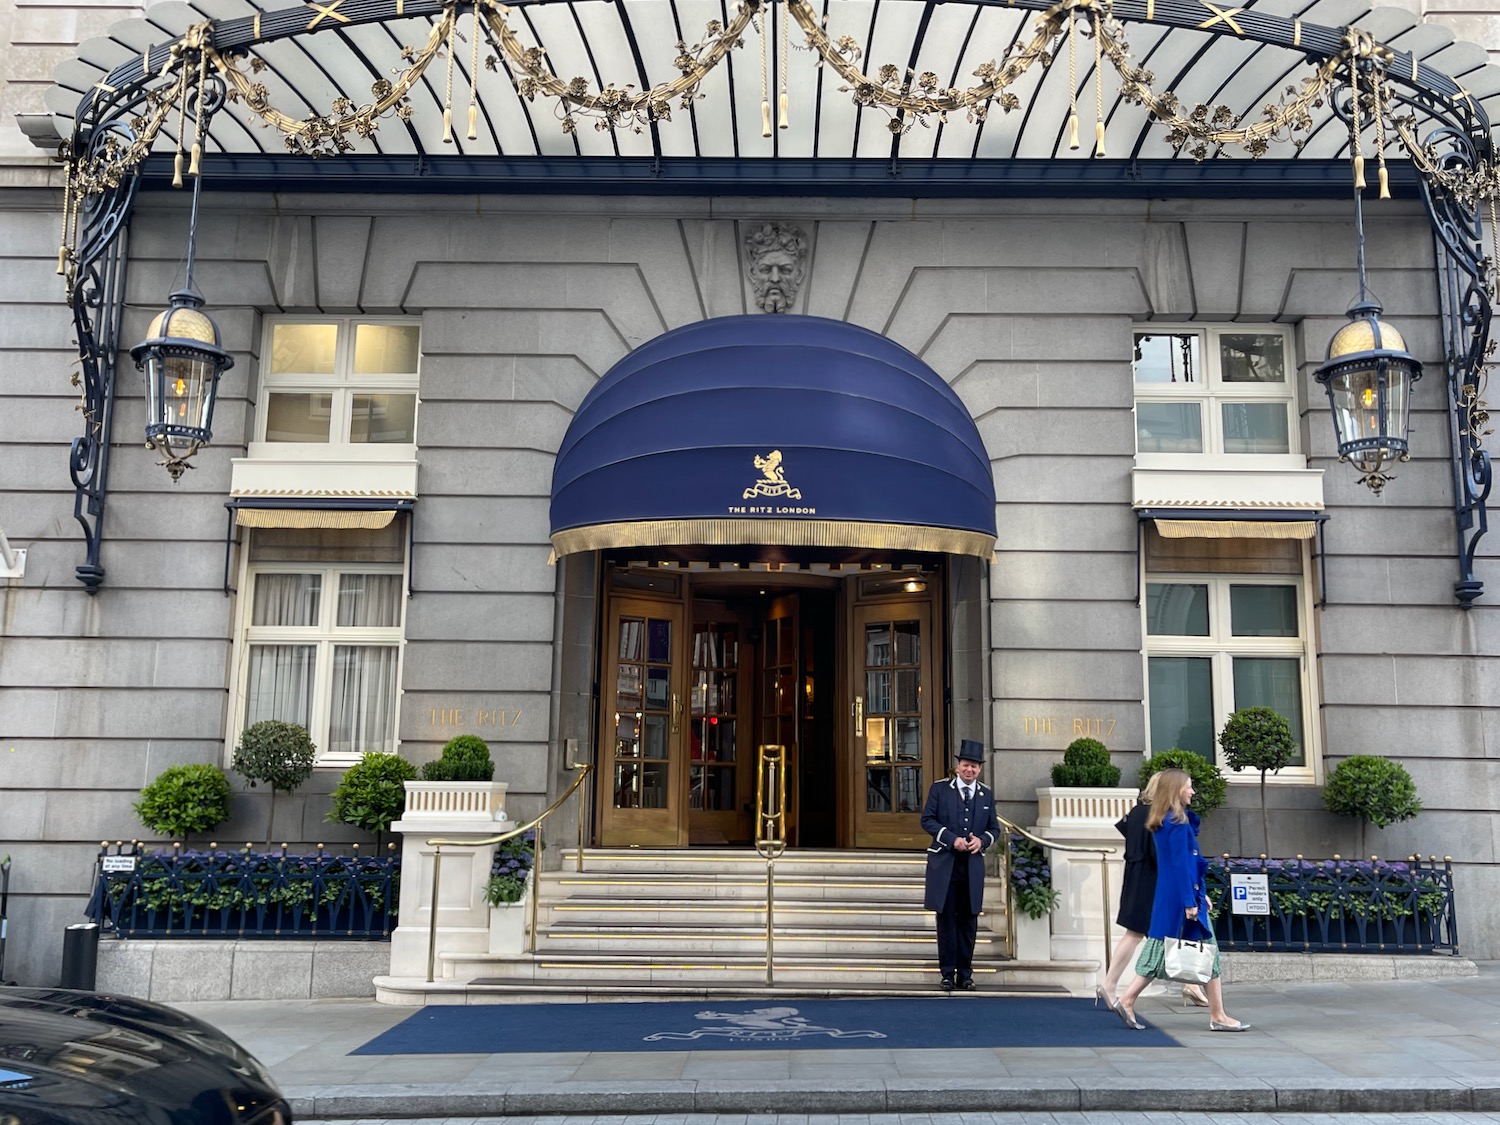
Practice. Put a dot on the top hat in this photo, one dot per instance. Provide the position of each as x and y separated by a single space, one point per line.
971 750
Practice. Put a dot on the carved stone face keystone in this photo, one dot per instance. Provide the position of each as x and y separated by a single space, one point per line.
776 263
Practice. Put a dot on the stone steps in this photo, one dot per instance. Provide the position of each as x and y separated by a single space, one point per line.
691 922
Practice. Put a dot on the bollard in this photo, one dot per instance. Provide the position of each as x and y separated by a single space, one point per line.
80 964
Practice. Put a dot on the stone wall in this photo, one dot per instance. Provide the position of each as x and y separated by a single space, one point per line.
1025 307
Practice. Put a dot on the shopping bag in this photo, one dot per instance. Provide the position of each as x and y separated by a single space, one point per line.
1191 962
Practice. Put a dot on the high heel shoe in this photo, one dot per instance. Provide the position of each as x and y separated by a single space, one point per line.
1100 994
1215 1026
1194 996
1127 1018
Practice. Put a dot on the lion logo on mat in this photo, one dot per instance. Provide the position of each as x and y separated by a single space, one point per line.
762 1025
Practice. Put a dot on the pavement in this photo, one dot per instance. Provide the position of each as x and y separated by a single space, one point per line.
1419 1046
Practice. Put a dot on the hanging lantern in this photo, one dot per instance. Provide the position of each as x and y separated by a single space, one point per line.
1369 377
182 358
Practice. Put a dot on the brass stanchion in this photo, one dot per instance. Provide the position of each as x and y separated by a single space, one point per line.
432 909
770 834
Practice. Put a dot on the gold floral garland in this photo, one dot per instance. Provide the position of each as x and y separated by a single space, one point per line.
907 98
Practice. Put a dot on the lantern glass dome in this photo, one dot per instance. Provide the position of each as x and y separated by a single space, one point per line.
182 359
1369 377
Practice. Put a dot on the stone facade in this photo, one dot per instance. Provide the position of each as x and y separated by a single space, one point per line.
1026 308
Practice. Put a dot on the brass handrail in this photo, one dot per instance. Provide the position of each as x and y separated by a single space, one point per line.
1010 903
770 832
437 843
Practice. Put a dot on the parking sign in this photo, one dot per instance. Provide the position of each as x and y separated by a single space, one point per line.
1249 894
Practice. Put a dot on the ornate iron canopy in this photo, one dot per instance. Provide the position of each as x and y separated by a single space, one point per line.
1060 87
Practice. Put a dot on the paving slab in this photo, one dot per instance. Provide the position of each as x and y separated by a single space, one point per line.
1425 1047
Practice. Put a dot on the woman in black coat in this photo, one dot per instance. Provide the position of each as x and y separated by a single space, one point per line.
1137 892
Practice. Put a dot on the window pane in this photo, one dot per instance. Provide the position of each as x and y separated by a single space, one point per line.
1167 358
382 419
1168 427
658 640
908 641
877 790
369 601
386 349
1256 427
878 645
908 745
298 417
364 699
1182 704
1274 682
1176 609
1263 611
303 349
908 788
1252 357
280 685
286 599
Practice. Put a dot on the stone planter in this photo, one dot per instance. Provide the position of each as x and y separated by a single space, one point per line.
1033 937
1083 816
508 925
1064 809
455 800
508 929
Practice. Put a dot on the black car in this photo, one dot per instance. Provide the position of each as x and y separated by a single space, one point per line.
85 1058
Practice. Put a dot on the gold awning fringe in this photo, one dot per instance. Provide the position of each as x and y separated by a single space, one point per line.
314 518
773 532
1236 529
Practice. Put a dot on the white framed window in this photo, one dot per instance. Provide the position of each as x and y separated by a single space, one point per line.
322 648
1216 643
1227 390
339 381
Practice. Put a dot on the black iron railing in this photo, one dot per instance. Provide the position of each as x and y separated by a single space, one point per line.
1340 906
245 894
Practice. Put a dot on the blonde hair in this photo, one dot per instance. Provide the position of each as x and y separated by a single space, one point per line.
1165 794
1151 789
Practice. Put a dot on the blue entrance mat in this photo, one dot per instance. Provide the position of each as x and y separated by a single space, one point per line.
891 1024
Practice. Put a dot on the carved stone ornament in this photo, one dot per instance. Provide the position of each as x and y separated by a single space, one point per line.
776 263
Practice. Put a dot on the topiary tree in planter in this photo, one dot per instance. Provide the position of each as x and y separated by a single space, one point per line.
1209 787
465 758
279 754
1086 764
185 799
372 793
1376 790
1258 738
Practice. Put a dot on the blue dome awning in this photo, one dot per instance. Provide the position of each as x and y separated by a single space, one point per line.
773 429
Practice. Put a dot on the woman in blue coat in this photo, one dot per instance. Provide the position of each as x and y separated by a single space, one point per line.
1180 906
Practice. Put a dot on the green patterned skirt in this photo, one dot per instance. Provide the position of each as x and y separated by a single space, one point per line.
1152 961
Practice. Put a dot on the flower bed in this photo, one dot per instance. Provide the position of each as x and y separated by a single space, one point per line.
1031 878
246 894
1340 905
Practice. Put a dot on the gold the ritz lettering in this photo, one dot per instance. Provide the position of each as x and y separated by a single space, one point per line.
1082 727
483 716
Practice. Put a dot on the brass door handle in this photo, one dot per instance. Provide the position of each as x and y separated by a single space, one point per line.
859 716
676 712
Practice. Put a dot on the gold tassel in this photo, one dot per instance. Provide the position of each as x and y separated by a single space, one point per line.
177 170
1098 138
765 118
473 122
447 126
62 261
782 124
1359 172
1073 130
197 156
1385 184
